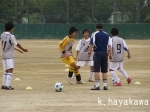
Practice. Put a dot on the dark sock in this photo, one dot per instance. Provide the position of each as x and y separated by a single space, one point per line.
70 74
78 77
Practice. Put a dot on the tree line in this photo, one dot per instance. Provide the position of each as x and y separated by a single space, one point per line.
75 11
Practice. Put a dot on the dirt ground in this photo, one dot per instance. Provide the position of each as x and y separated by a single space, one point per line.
41 68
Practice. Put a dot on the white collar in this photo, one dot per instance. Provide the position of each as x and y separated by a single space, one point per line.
7 32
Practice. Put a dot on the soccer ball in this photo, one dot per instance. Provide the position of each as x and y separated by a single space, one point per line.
58 86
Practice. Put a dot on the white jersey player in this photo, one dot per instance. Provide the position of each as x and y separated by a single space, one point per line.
116 62
82 53
8 41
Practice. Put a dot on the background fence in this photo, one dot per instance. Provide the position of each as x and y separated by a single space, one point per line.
75 11
58 31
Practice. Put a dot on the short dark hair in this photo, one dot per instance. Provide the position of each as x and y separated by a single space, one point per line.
114 31
86 30
9 25
72 29
99 26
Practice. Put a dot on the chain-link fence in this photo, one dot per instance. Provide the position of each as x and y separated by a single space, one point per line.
75 11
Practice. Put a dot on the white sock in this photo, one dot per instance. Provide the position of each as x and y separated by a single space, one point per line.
73 75
123 72
9 78
104 82
114 75
97 83
91 74
4 79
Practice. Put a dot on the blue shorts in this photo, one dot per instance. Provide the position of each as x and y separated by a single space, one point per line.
100 62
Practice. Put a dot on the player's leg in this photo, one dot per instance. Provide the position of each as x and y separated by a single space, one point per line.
123 72
97 63
71 70
77 74
9 70
112 67
4 75
90 63
104 69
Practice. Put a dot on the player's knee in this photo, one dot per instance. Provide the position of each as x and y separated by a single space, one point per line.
111 70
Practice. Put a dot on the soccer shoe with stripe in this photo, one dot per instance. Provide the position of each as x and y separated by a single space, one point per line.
129 80
117 84
95 88
105 88
3 87
81 82
9 88
70 79
90 80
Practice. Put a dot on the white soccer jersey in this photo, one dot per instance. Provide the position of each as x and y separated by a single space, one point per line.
118 47
8 41
82 47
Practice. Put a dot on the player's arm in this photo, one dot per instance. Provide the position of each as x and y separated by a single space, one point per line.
90 50
126 49
18 50
78 49
20 47
62 46
14 42
110 48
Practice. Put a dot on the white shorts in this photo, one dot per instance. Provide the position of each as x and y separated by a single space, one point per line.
115 65
82 63
8 64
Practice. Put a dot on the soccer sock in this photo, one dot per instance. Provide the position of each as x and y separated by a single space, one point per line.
4 79
123 72
104 82
9 78
97 82
91 74
70 72
78 77
114 75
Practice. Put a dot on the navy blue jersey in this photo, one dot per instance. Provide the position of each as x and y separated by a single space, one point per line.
100 40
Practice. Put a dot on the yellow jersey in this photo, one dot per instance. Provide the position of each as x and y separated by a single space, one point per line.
65 46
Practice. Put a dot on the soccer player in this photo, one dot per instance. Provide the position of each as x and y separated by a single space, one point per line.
116 63
100 40
82 53
66 55
8 42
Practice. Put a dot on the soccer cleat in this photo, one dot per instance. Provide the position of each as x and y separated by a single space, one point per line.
90 80
81 82
70 79
129 80
3 87
95 88
105 88
9 88
117 84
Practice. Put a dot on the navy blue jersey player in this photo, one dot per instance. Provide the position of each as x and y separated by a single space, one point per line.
101 42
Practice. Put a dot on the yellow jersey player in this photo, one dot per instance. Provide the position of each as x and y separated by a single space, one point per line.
66 55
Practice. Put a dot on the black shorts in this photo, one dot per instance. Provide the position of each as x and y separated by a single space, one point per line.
100 62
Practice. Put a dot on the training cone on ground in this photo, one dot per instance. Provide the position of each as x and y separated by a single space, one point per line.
66 65
137 82
66 70
17 79
28 88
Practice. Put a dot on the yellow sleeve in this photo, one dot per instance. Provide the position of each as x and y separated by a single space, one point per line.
63 43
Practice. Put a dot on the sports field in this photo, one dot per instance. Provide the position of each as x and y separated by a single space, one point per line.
41 68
